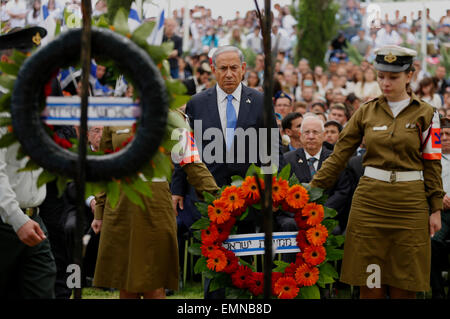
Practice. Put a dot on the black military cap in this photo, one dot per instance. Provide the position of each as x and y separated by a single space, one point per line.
393 58
22 39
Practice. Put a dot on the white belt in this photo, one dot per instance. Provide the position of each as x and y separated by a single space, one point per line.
392 176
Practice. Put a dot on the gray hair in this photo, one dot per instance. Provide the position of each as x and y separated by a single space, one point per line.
227 48
308 117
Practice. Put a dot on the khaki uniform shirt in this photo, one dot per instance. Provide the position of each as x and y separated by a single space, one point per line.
391 144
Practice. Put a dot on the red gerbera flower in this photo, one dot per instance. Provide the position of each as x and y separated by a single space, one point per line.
317 235
232 199
301 240
232 262
256 283
61 141
241 276
218 212
289 271
208 249
297 196
314 255
217 260
225 229
301 221
249 189
314 212
299 258
275 277
286 288
280 188
306 275
209 235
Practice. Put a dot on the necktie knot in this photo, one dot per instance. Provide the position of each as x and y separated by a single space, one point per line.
229 97
311 162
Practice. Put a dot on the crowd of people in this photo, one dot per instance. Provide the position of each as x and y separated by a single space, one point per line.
312 106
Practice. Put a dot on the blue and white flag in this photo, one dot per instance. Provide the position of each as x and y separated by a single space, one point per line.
157 34
133 18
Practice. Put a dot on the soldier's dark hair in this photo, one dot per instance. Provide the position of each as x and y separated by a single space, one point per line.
286 123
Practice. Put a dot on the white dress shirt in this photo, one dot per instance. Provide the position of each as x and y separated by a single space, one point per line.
445 161
17 190
222 104
317 156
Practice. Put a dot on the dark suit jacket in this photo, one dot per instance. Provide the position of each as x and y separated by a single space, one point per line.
203 106
337 196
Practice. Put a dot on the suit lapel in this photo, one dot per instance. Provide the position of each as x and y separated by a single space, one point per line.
244 107
303 168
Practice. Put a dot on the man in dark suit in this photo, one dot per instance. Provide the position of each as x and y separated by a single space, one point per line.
229 131
305 162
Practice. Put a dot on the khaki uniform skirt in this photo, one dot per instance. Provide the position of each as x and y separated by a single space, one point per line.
138 250
388 227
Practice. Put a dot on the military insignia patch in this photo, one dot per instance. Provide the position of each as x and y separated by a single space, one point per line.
37 39
390 58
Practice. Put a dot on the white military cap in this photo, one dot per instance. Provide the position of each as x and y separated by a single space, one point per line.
393 58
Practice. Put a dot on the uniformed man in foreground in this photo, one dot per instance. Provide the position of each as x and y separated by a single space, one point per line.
27 266
397 204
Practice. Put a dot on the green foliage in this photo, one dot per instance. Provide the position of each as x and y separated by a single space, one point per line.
353 54
311 292
316 27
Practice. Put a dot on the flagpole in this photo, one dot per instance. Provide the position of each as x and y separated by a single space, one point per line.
186 26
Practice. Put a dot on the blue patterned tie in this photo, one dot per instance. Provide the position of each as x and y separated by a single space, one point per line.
311 162
231 121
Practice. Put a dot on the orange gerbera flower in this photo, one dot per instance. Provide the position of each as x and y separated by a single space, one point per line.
317 235
286 288
217 260
207 249
209 235
306 275
314 212
280 188
297 196
218 212
314 255
249 189
232 198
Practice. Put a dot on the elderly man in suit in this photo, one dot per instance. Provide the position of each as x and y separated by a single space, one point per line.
305 162
228 128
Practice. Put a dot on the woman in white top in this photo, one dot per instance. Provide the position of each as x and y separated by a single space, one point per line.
35 16
367 88
426 90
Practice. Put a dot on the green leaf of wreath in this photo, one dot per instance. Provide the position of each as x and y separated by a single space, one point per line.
121 22
285 172
7 81
132 195
328 270
315 193
142 187
9 68
329 212
201 223
293 180
244 215
44 178
311 292
141 34
219 282
112 192
200 265
209 198
202 208
29 166
281 266
330 224
7 140
61 184
333 253
5 121
244 263
5 102
195 249
18 57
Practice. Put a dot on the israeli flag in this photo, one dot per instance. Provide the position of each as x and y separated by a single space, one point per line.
133 18
157 34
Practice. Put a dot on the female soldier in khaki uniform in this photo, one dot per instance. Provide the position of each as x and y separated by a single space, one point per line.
390 222
138 250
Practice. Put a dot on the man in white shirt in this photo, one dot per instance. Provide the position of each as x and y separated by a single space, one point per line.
27 265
